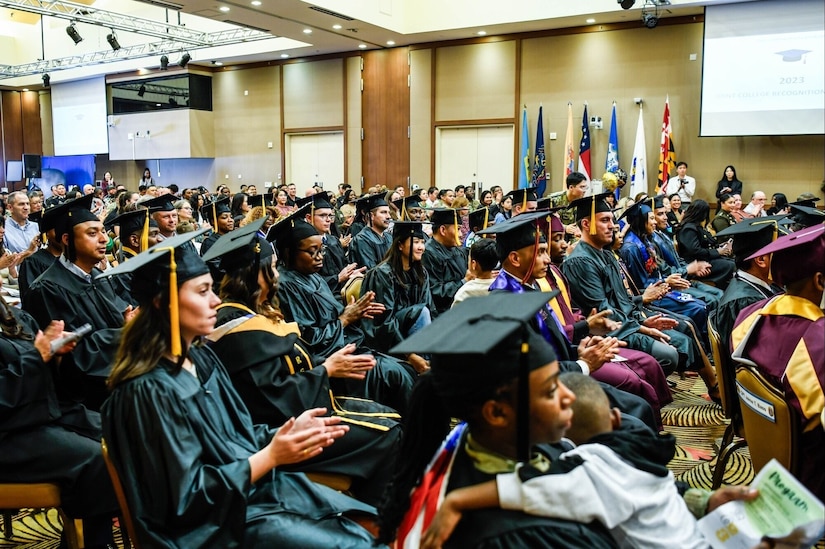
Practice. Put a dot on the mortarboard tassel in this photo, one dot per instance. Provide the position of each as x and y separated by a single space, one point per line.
486 218
144 234
174 312
593 216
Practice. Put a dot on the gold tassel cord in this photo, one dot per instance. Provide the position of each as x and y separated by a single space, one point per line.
174 312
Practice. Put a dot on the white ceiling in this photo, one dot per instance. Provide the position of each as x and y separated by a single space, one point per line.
370 24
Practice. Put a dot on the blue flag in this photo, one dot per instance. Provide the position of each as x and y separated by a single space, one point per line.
539 178
524 169
611 163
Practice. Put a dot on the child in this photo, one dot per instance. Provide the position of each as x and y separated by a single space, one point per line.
483 261
617 477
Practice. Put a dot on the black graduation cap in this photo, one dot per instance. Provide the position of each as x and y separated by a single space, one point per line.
36 217
164 266
317 201
659 201
162 203
406 203
481 344
797 255
523 196
444 216
517 232
259 201
791 56
402 230
751 234
289 231
214 209
806 199
589 206
241 247
807 216
135 221
72 212
481 218
370 202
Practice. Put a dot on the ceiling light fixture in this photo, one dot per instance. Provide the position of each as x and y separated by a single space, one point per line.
46 80
164 62
337 27
25 89
71 30
184 60
256 3
650 20
141 90
626 4
284 55
307 31
590 21
111 38
482 33
218 63
223 9
362 46
390 42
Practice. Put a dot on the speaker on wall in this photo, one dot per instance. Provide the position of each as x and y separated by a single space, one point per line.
31 166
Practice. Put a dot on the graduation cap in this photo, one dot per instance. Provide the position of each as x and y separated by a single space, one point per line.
134 221
71 213
316 201
589 206
405 204
659 201
806 199
481 218
402 230
797 255
215 208
750 235
370 202
241 247
259 201
162 203
792 56
527 229
806 216
480 345
164 266
641 208
289 231
524 196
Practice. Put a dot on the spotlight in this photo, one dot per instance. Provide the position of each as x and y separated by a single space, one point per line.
164 62
71 30
173 102
46 80
650 20
626 4
112 40
184 60
141 90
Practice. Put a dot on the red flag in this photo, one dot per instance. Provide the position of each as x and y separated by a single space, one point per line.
667 151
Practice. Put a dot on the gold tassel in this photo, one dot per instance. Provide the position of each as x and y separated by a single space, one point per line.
455 223
144 234
593 216
174 311
486 217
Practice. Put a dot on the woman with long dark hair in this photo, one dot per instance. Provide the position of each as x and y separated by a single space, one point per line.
729 184
779 204
277 377
239 207
196 471
696 243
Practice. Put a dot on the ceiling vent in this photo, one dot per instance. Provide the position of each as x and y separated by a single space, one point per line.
332 13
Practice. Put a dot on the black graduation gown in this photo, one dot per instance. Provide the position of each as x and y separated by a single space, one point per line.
181 445
447 268
58 294
503 529
739 294
307 300
273 373
334 262
674 264
367 249
696 243
403 304
32 267
213 264
40 441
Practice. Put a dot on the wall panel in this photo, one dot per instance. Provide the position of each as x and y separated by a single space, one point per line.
421 119
313 94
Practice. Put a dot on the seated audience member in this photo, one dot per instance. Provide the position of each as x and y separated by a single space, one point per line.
779 205
401 285
752 280
219 217
196 471
724 218
326 325
806 216
756 207
34 265
138 232
371 244
483 261
514 408
445 259
524 201
20 230
729 184
615 476
681 184
785 337
273 371
478 220
44 440
696 243
576 187
675 213
505 210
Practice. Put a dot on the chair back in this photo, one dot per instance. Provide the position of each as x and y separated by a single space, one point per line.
725 374
771 426
126 515
38 496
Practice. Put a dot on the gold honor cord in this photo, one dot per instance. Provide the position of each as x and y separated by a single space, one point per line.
144 234
486 218
174 311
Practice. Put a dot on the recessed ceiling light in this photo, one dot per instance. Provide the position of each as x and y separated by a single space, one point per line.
25 89
218 63
337 27
284 55
591 21
482 33
256 3
362 46
224 9
307 31
157 104
390 42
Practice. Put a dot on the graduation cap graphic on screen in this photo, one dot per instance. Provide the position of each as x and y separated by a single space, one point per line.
792 56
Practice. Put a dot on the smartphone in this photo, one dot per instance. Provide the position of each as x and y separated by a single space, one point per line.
77 335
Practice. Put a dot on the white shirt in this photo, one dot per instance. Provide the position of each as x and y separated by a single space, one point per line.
674 185
751 209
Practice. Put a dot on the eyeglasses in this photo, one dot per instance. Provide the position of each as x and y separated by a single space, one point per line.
314 254
325 216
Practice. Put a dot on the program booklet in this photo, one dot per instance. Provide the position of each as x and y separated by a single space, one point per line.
785 511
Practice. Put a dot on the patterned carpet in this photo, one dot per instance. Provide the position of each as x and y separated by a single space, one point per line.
696 422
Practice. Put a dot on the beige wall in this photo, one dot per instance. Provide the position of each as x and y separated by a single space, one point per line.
421 130
314 94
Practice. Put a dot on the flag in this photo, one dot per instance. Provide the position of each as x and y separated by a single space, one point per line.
584 146
524 169
667 151
427 497
539 177
638 171
611 162
568 146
